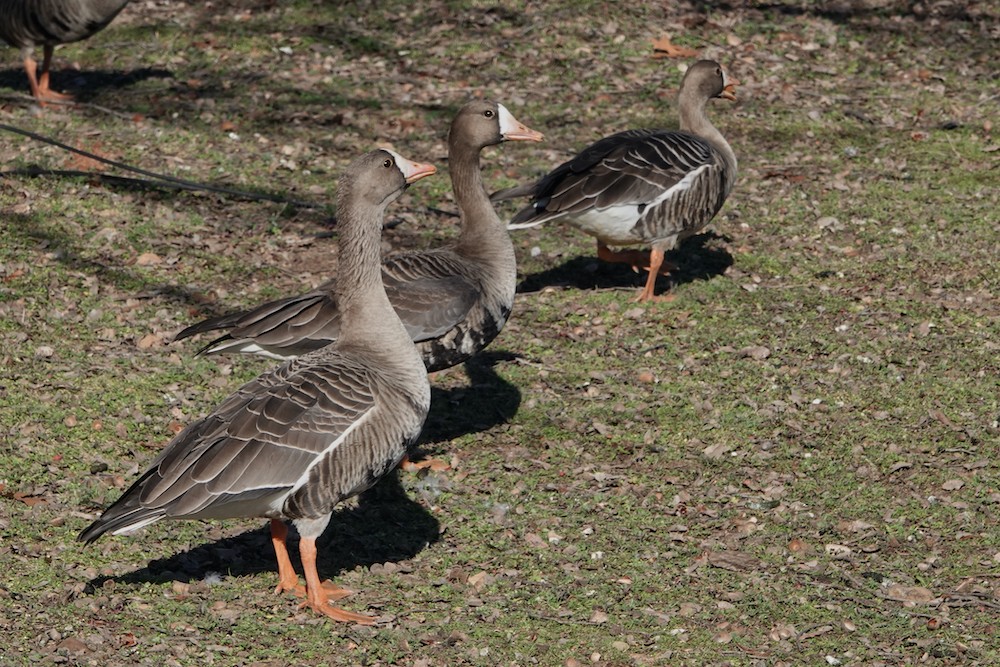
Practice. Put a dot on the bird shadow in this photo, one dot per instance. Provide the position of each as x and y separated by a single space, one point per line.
697 258
85 86
380 528
487 400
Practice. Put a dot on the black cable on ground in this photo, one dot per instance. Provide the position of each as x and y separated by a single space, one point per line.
158 179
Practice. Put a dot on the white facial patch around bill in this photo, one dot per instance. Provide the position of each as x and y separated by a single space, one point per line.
507 121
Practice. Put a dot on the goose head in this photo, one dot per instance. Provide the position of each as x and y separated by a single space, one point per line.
709 79
484 123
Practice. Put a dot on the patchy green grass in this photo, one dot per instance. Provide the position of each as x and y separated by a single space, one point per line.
792 462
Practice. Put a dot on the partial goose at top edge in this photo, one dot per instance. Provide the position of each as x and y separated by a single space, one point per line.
27 24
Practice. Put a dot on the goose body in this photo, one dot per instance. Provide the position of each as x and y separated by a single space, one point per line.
27 24
452 300
293 443
653 187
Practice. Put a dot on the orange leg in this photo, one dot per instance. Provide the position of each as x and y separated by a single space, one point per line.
39 81
655 260
30 68
651 261
320 594
437 465
287 579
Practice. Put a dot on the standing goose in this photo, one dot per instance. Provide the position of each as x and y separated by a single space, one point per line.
453 300
654 187
26 24
297 440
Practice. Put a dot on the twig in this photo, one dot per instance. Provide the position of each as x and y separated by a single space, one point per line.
441 211
554 619
968 601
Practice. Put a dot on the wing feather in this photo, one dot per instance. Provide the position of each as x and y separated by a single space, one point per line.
432 292
632 168
259 444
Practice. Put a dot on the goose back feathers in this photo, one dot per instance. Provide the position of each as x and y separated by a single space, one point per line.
453 300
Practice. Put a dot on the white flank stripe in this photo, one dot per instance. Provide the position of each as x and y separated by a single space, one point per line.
300 482
136 526
251 348
524 225
681 185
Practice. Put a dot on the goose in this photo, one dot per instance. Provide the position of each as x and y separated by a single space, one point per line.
26 24
453 300
297 440
652 187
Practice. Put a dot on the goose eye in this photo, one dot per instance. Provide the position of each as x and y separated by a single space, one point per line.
718 71
488 113
387 163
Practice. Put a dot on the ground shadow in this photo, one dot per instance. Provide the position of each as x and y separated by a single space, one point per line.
85 86
386 527
30 227
486 401
697 258
966 25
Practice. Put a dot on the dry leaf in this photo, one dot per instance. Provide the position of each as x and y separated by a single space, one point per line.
734 561
816 632
664 48
85 163
535 541
148 259
909 595
782 631
757 352
855 526
72 645
479 580
149 340
598 617
661 617
716 451
29 500
689 608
